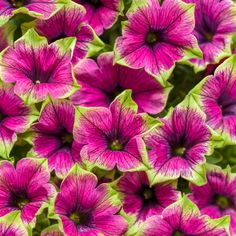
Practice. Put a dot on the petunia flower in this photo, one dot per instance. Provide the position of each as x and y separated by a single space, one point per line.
183 218
35 8
215 24
101 14
39 69
24 188
140 201
86 208
156 36
216 95
12 225
112 137
15 118
177 148
70 22
102 81
217 197
53 138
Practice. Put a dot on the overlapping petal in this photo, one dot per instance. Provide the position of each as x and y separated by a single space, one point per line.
101 14
11 225
216 96
102 81
7 35
35 8
70 22
184 218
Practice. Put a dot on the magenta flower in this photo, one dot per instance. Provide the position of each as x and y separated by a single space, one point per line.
11 225
178 147
35 8
69 22
15 118
216 95
217 197
102 81
140 201
101 14
156 36
183 218
86 208
215 24
113 136
24 188
53 138
39 69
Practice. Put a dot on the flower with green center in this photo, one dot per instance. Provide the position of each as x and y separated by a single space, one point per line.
112 137
52 136
86 207
34 78
178 147
214 27
156 36
25 188
140 200
217 197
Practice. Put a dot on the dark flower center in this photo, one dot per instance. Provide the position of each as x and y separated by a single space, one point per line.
114 93
20 200
222 202
154 37
38 76
177 233
205 31
62 35
228 107
18 3
80 218
66 138
178 151
2 116
95 3
115 145
148 196
208 36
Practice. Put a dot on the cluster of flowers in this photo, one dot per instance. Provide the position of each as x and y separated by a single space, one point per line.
97 136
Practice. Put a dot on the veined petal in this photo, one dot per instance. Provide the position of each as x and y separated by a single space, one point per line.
11 224
178 147
154 40
81 196
35 78
103 14
215 24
